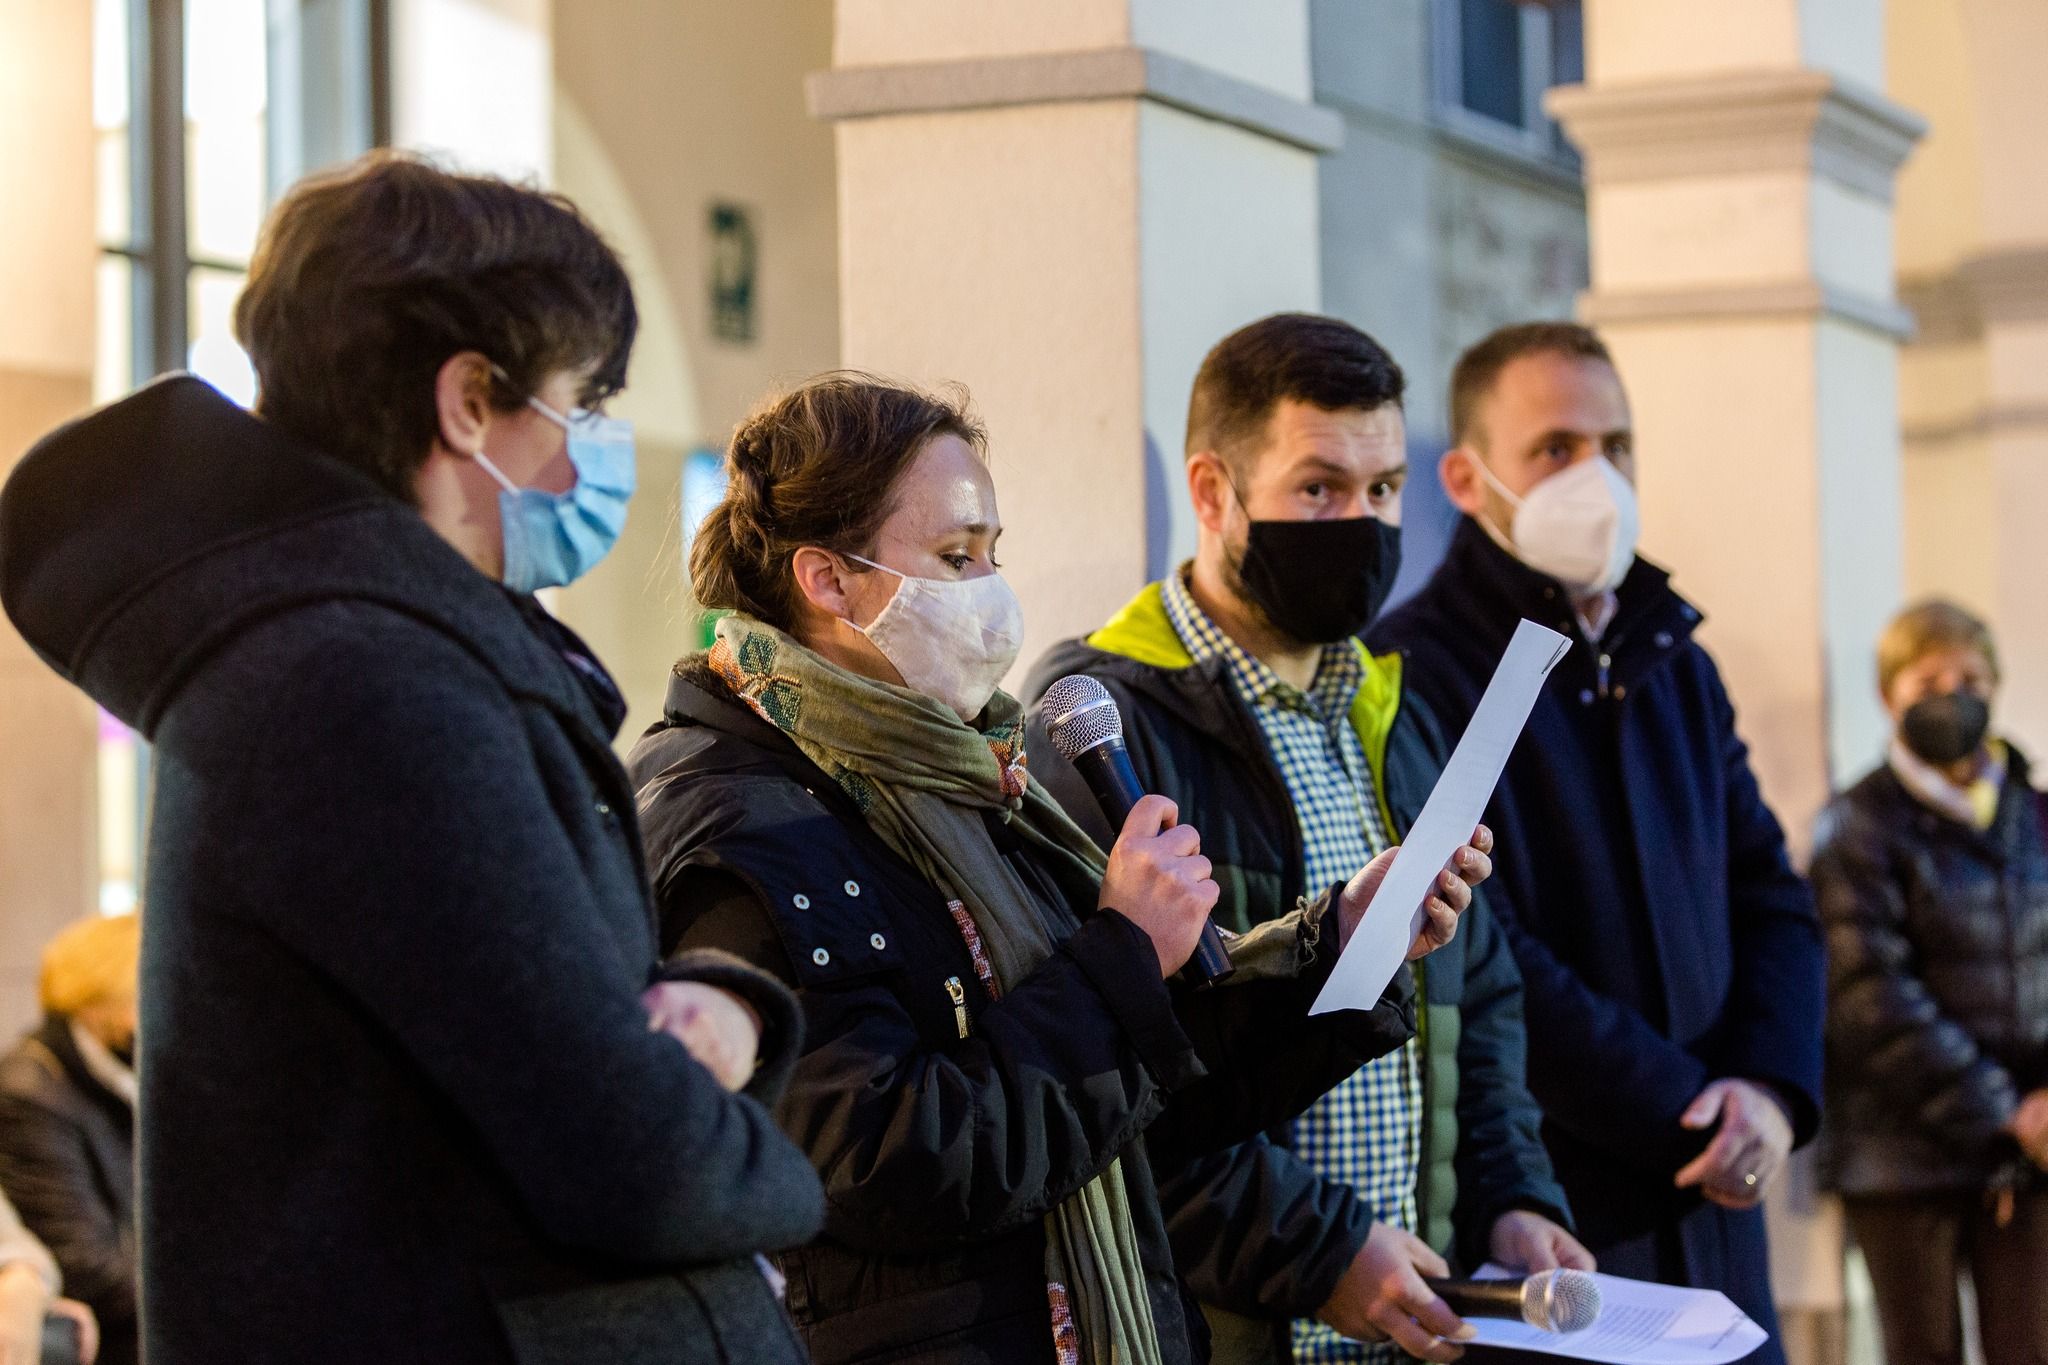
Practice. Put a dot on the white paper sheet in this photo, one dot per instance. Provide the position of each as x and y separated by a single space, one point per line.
1380 943
1640 1324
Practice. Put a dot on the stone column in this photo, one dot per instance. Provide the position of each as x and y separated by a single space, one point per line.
1742 270
1740 162
1973 264
1062 206
49 851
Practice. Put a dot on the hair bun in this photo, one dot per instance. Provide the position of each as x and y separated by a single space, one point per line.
812 467
749 468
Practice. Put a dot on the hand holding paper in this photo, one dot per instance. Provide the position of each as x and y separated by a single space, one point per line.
1450 898
1382 941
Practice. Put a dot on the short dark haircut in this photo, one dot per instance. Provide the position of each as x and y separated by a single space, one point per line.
367 279
1305 357
1476 372
817 466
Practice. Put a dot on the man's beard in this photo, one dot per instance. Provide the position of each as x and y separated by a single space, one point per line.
1241 593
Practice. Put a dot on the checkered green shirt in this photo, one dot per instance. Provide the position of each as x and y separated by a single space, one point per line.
1367 1133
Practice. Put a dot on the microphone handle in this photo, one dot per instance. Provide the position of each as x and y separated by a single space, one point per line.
1482 1298
1109 774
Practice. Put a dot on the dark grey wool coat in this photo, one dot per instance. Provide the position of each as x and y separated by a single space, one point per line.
400 1102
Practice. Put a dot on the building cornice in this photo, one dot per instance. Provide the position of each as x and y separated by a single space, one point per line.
1115 73
1719 303
2008 284
2002 420
1744 122
1944 309
2004 285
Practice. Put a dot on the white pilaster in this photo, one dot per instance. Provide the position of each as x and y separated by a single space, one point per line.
1740 162
1063 215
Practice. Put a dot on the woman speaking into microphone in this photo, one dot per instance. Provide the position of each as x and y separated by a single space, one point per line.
994 1059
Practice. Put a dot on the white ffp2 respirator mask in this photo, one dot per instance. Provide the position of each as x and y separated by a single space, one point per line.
1579 526
951 639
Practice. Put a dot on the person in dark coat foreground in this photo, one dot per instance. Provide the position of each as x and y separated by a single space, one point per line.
1310 1244
995 1065
1670 957
401 1100
67 1122
1932 878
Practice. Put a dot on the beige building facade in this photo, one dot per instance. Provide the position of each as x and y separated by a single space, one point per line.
1812 230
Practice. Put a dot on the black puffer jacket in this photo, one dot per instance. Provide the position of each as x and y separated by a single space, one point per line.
946 1123
67 1160
1937 940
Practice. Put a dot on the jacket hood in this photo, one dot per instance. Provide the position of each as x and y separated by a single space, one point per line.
697 696
137 542
727 732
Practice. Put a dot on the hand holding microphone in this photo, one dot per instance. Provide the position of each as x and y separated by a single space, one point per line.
1383 1296
1398 1290
1087 729
1159 880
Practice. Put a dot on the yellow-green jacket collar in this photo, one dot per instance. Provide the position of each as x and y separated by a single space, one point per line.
1142 632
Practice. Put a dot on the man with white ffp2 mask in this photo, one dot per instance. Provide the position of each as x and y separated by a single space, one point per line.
1670 959
1564 500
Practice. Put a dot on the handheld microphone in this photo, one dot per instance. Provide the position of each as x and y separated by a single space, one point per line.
1552 1300
1088 730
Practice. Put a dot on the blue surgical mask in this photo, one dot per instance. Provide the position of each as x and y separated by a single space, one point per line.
553 539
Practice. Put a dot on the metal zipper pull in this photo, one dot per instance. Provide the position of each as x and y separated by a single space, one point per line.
958 995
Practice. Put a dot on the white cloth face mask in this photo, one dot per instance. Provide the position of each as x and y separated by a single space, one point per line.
1579 526
951 639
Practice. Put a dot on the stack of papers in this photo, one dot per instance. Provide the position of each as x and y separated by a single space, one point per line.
1640 1324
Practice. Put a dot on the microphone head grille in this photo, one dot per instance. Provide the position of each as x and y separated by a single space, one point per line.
1080 715
1563 1301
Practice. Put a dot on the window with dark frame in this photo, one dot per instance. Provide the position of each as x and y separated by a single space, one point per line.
1495 59
203 112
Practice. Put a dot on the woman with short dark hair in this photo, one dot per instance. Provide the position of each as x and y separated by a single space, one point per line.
1932 879
413 1089
995 1061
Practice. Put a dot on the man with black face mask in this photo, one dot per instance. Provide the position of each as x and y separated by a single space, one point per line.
1246 697
1932 878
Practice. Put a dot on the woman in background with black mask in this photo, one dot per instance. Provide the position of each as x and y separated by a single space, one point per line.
1932 878
994 1065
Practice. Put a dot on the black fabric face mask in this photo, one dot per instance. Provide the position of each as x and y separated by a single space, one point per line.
1320 581
1946 729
